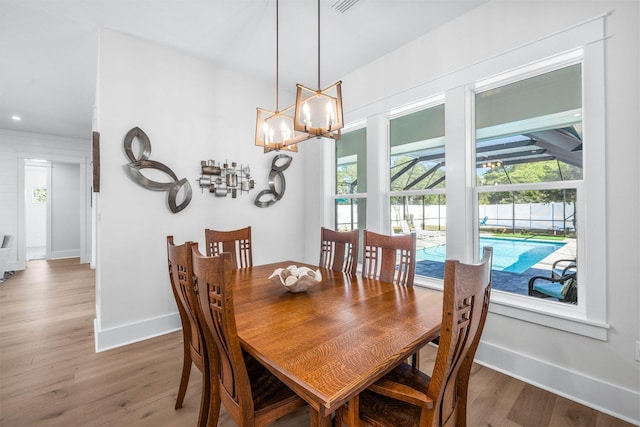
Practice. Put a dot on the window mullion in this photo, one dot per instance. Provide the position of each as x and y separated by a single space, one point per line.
378 174
458 132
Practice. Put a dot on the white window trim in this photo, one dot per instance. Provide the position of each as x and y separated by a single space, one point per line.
588 317
329 157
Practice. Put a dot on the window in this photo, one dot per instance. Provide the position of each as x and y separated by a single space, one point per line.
39 195
351 181
528 168
524 138
417 184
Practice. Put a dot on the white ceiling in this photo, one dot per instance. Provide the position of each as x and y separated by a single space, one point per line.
48 47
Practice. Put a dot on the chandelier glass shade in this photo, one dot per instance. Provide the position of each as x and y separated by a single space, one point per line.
275 131
319 112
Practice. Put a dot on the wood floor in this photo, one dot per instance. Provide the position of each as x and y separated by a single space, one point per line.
51 376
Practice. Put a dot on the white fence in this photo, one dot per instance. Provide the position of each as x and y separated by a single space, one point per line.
530 216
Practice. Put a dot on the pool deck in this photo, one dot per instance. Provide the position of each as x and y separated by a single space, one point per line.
502 280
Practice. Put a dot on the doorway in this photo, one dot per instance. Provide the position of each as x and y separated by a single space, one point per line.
52 209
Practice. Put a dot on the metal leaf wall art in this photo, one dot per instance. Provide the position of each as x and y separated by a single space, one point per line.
137 164
225 179
276 172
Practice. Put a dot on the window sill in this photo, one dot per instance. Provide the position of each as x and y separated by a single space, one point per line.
555 315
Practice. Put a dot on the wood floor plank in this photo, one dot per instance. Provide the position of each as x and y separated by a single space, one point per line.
51 376
533 407
491 397
568 413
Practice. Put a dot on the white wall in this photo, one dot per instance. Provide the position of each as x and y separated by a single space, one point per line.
602 374
191 111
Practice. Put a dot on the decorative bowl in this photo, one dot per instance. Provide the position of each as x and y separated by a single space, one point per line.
296 279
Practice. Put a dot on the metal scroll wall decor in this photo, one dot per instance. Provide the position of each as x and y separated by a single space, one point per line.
272 194
225 180
137 164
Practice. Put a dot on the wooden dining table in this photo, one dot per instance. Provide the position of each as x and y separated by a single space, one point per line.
335 339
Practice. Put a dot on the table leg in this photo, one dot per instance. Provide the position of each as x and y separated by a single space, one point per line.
319 421
350 413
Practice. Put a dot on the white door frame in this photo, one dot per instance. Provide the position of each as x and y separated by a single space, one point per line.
85 217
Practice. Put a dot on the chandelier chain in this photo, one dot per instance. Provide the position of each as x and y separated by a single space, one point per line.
277 53
318 44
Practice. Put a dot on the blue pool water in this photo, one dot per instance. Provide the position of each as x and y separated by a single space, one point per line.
510 255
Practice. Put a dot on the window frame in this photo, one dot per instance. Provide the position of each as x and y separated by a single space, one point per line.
588 317
431 102
334 195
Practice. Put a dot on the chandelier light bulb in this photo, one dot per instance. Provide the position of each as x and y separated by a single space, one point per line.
331 115
285 132
307 116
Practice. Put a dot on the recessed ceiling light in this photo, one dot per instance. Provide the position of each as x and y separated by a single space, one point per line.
16 118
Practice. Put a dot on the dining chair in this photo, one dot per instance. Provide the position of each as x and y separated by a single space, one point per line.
339 250
236 242
250 393
389 258
181 277
408 397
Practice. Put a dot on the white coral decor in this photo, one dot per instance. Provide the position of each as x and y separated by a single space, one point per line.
296 279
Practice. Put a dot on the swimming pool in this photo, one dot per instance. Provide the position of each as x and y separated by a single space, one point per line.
511 255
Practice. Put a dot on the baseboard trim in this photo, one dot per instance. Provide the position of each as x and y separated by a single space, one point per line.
110 338
72 253
592 392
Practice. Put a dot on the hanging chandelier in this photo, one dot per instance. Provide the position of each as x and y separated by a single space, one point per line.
492 164
318 112
275 129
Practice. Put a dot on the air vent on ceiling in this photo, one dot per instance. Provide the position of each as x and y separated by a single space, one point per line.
343 5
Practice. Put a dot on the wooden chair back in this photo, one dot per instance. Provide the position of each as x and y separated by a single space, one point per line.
181 277
216 311
467 288
407 396
236 242
251 395
389 258
339 250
